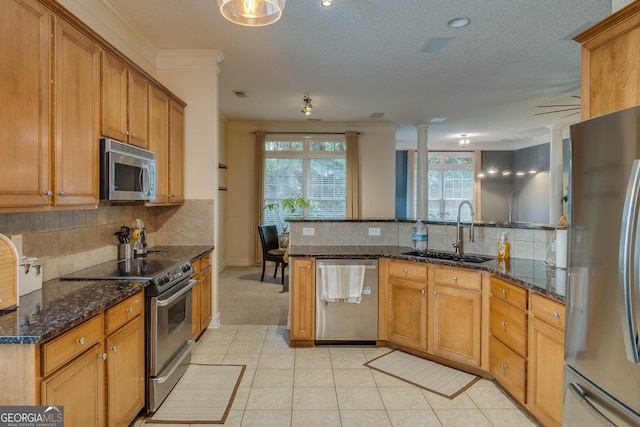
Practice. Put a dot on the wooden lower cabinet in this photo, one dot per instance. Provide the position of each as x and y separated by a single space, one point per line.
98 379
455 324
407 313
546 362
79 387
125 373
302 291
201 296
509 368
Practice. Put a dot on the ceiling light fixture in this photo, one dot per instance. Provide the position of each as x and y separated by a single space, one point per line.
326 3
459 22
464 141
306 109
252 13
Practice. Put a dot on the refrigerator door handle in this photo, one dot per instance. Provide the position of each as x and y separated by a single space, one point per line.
629 247
581 395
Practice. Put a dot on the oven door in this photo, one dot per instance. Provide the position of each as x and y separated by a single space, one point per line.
170 324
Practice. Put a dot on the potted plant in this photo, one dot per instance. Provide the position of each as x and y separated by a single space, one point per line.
288 206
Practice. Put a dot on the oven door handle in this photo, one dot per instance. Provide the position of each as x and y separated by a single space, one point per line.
172 298
165 376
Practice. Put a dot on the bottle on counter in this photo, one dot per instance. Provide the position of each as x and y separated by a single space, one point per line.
503 247
419 236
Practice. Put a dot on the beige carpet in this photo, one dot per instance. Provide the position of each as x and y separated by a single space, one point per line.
423 373
203 395
245 300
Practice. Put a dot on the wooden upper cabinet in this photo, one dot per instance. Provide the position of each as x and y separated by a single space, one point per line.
76 117
176 153
159 142
25 32
125 97
611 64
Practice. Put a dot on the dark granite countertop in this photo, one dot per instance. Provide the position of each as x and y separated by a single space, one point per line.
63 304
532 274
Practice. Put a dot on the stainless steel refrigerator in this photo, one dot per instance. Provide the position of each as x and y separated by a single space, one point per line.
602 346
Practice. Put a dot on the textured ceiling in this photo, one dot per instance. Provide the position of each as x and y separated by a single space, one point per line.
364 56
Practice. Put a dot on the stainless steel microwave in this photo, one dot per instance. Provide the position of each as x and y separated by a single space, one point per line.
127 172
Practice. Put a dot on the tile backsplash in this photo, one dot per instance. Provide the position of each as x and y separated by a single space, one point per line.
525 243
68 241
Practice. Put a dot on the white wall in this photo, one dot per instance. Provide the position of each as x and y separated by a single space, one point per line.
377 177
619 4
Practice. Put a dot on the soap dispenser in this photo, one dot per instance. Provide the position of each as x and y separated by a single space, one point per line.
503 247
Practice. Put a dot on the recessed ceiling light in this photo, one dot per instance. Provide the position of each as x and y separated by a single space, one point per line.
459 22
326 3
506 173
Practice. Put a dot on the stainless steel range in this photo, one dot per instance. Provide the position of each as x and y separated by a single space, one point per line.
167 317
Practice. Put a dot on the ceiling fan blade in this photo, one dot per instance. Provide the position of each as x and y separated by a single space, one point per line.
572 114
576 96
556 111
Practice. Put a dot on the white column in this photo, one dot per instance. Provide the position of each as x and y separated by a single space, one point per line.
555 174
423 176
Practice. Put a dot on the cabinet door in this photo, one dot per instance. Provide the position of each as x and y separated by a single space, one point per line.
407 313
195 309
302 290
125 373
137 107
159 142
205 298
76 112
79 387
25 31
455 324
113 118
546 362
176 153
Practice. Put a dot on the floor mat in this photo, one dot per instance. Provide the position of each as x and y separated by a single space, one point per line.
203 395
423 373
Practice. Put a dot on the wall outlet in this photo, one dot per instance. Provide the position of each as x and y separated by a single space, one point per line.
374 231
308 231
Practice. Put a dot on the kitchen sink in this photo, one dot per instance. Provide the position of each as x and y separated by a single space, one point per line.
477 259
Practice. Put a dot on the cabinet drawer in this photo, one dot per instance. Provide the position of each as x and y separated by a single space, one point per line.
124 311
57 352
408 270
509 325
547 309
457 277
509 369
513 294
205 261
196 266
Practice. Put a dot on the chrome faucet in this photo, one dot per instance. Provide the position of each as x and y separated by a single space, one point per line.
458 245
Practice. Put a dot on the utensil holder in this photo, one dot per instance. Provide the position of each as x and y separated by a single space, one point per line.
125 251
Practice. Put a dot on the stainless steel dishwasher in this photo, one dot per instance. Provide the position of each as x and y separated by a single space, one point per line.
346 321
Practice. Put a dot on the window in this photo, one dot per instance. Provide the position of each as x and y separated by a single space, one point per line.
311 168
451 181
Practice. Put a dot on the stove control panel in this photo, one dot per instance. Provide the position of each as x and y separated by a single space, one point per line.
174 275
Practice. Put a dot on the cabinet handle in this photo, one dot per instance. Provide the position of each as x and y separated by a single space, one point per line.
133 135
62 194
126 133
405 271
503 366
102 356
129 310
114 348
556 315
422 292
503 323
170 195
454 278
308 267
435 293
80 341
49 193
504 291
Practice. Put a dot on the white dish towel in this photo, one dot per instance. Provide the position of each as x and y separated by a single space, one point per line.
342 282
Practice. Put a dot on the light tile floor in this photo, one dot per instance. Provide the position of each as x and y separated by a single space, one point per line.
329 386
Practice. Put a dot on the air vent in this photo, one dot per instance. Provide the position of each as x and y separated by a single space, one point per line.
376 115
240 93
437 44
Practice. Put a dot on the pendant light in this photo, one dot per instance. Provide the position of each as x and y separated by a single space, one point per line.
252 13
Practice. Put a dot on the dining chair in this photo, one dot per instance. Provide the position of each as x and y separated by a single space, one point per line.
271 249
